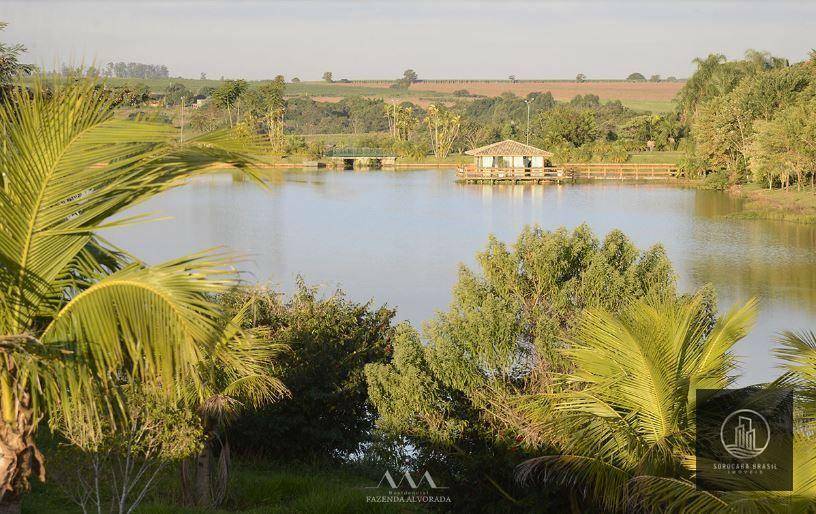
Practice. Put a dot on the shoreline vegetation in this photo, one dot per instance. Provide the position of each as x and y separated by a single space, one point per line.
775 204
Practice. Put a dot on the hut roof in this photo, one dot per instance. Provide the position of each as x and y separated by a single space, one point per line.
509 148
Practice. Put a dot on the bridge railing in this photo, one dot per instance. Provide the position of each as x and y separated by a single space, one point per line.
359 152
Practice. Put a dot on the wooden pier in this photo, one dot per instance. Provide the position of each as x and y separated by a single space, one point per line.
567 171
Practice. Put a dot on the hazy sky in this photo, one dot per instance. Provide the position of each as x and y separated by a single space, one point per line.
441 39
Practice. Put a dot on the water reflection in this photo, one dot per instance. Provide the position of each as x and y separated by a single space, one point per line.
398 236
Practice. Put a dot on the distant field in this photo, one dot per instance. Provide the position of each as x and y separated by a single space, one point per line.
651 96
561 90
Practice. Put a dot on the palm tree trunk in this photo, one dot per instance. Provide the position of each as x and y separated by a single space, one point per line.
187 475
19 456
202 479
10 507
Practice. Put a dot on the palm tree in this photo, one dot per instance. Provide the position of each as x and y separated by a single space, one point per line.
237 369
623 421
74 309
798 351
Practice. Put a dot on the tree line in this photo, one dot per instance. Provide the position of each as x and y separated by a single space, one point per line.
583 129
751 120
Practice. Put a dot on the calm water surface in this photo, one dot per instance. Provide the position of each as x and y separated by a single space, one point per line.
398 236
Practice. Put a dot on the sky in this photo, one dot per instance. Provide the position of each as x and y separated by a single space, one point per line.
379 39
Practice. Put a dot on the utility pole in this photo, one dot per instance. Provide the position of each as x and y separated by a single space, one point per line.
182 120
528 120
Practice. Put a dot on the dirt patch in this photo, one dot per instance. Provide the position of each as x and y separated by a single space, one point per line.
649 91
327 99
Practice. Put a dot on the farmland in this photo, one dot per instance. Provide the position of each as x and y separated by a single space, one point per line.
647 96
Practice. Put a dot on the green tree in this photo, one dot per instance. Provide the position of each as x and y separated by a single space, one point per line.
327 76
401 120
410 76
564 124
580 78
74 310
10 65
237 371
176 93
112 466
785 145
443 128
636 77
622 418
228 94
274 107
329 342
453 395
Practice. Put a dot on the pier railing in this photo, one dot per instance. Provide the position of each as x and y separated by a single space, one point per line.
593 171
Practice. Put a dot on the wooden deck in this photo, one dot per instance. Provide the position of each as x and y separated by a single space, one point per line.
567 171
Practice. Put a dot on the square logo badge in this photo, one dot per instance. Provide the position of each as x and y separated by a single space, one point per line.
744 439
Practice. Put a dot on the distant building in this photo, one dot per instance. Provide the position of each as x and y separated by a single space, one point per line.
156 100
509 155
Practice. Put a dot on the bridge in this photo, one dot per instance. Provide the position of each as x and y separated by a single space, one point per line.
361 157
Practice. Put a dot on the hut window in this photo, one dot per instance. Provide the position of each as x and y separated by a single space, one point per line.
538 162
487 162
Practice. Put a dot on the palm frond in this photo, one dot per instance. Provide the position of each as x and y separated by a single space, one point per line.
663 494
239 366
153 319
70 166
601 481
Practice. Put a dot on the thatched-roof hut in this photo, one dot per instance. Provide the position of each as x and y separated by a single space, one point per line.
509 154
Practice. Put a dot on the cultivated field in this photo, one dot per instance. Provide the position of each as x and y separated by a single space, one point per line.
561 90
651 96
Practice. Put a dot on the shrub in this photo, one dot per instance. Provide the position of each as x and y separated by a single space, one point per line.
691 166
717 180
331 340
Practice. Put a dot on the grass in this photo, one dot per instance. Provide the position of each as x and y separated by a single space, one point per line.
656 106
254 489
776 204
655 157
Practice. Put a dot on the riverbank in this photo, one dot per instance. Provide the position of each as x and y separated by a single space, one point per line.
776 204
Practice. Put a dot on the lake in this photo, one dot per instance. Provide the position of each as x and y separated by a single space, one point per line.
398 237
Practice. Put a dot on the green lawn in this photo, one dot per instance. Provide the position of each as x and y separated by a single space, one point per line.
655 157
657 106
254 489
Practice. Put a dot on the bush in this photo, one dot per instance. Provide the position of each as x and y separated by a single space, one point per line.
717 180
691 166
330 340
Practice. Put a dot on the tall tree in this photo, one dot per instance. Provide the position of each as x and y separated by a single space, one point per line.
228 94
76 311
237 371
443 127
10 65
